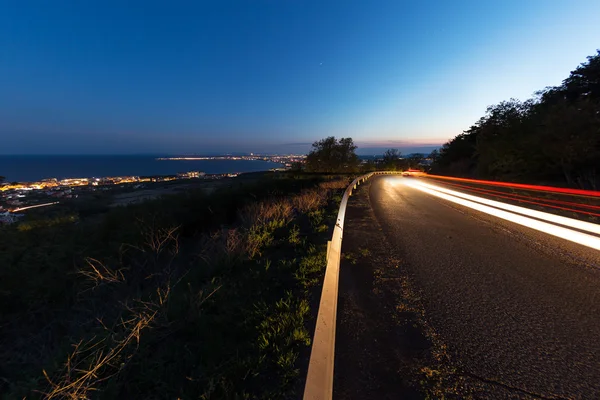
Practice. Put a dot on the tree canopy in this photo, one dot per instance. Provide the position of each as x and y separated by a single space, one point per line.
331 155
391 160
552 137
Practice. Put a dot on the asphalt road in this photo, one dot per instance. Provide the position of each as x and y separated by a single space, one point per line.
517 310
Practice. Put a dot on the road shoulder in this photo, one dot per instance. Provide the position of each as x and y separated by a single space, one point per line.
384 347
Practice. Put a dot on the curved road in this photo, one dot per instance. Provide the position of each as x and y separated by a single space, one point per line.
518 309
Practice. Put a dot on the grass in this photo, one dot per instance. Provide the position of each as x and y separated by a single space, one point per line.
294 237
364 252
351 257
190 296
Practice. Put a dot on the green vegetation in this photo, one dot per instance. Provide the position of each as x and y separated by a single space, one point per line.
393 161
364 252
28 225
554 137
331 155
187 296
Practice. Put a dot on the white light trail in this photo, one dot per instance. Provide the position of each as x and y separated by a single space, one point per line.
36 206
554 230
557 219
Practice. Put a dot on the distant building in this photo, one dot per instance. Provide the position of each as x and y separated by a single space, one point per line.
191 174
74 182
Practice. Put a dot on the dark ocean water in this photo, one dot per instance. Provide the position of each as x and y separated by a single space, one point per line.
34 168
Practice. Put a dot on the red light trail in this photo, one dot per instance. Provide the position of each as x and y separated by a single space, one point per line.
532 200
549 189
549 223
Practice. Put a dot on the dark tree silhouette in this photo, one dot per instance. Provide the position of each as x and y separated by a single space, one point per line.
330 155
551 138
391 160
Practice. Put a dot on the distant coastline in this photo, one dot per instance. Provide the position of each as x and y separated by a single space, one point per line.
30 168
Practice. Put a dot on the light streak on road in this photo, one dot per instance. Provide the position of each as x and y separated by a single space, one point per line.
542 201
36 206
570 222
554 230
549 189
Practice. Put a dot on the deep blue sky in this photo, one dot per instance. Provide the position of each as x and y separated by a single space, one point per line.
209 76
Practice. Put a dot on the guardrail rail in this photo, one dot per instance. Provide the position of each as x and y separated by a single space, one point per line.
319 380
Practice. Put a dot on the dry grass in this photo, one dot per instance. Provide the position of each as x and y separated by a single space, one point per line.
335 184
103 356
99 273
94 362
157 239
226 245
262 219
310 200
260 213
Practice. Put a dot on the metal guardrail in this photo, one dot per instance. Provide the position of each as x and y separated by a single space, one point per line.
319 380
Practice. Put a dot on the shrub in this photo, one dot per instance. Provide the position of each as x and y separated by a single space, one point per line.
316 217
294 238
309 200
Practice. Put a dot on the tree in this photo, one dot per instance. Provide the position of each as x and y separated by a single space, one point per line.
391 159
584 81
457 156
501 142
434 155
431 159
570 142
414 160
330 155
554 136
296 166
368 166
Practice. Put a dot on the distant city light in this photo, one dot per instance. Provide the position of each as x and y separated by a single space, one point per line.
12 193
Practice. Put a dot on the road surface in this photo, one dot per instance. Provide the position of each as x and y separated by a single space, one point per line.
437 298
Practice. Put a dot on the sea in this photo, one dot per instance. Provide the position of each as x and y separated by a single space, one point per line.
33 168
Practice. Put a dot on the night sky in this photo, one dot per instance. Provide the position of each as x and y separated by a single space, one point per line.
121 77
